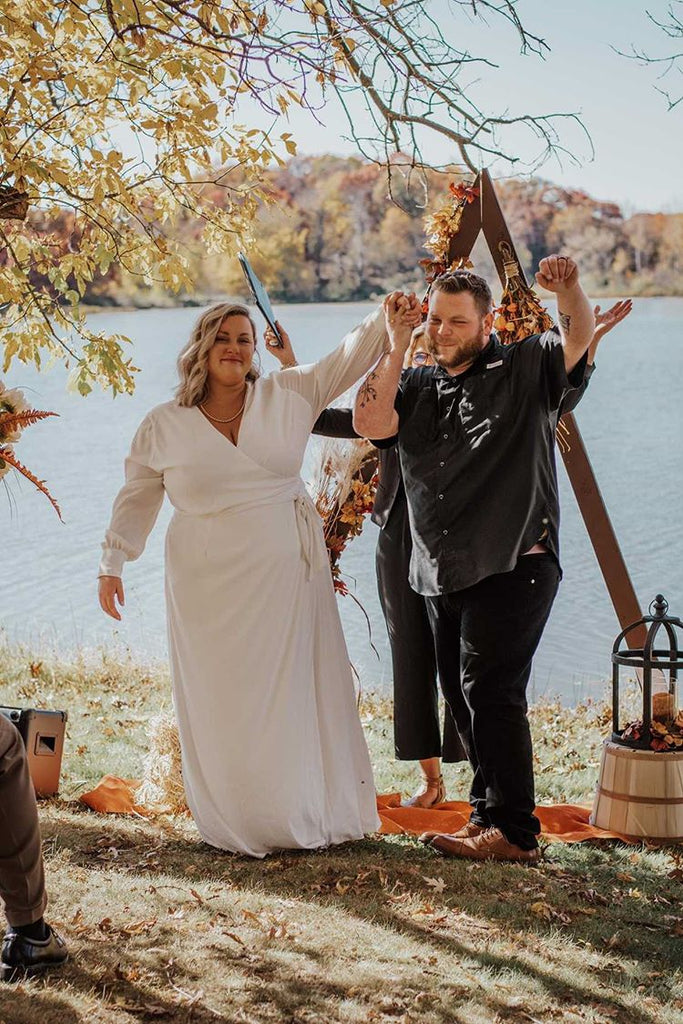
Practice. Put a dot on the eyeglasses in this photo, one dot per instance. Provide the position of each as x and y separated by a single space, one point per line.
420 357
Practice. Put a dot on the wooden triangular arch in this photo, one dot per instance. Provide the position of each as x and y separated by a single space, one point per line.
485 214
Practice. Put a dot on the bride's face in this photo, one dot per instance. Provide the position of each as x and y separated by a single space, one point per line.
231 355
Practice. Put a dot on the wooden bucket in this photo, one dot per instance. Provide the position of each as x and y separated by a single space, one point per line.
640 793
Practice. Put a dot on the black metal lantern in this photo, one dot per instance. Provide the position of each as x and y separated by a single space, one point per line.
662 705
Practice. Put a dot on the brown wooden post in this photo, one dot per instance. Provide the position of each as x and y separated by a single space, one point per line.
579 470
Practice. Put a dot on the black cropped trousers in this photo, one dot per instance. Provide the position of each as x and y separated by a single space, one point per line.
417 732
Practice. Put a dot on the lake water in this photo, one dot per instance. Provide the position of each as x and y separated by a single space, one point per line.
631 420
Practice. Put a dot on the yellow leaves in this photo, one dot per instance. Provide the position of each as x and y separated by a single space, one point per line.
137 89
210 112
60 176
173 67
21 247
315 8
123 129
290 144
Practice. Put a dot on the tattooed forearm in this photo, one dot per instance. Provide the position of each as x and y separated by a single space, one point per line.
565 322
367 392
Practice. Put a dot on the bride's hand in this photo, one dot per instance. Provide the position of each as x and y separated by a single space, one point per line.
284 353
110 590
402 314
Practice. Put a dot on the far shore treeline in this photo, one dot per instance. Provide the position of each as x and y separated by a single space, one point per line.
330 232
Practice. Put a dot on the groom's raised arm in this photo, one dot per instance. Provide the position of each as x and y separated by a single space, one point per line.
374 413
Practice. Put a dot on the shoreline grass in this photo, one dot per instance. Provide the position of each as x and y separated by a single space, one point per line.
163 927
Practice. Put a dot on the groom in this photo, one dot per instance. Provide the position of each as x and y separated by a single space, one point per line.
476 436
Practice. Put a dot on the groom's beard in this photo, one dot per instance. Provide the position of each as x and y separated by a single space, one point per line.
461 353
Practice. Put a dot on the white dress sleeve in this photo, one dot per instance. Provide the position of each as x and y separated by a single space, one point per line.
136 506
320 383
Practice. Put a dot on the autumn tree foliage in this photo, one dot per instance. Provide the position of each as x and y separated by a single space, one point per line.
126 133
332 235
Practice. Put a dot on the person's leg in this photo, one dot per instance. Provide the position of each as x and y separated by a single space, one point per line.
445 617
22 882
502 622
416 715
30 946
452 748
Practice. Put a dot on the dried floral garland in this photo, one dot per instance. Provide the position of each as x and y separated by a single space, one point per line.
15 416
441 227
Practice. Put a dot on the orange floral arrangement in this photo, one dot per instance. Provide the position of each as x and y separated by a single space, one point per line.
345 485
15 416
663 735
520 313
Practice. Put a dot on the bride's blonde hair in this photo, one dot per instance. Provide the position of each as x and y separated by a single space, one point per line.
193 360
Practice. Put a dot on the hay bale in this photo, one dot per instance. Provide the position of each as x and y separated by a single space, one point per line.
162 788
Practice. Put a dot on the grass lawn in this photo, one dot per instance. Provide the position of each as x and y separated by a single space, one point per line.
162 927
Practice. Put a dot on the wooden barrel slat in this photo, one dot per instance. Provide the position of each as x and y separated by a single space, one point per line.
640 793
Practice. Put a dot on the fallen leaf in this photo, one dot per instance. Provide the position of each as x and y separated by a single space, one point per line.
541 909
437 884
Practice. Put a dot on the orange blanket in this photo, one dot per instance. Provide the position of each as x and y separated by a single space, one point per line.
565 823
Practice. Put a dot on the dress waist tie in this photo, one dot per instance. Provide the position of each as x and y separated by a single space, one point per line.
309 525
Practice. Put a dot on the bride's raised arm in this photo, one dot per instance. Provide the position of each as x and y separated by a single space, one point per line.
321 382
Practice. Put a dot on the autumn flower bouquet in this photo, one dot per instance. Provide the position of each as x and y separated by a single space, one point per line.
520 313
344 484
664 735
15 416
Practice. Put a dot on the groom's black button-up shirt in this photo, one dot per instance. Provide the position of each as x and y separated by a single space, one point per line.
477 454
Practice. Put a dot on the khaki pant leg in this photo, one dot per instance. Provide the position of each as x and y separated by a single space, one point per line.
22 882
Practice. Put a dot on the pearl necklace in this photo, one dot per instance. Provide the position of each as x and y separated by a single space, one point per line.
216 419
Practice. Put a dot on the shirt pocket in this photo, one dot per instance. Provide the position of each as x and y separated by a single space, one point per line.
486 408
422 425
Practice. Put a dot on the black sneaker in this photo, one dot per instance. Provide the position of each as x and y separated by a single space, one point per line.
23 957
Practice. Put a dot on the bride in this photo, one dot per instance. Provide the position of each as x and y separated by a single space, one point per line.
273 750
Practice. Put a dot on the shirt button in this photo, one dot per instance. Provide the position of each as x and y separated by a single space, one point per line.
441 497
445 437
445 533
442 464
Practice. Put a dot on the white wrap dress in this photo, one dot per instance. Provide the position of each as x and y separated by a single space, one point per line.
273 750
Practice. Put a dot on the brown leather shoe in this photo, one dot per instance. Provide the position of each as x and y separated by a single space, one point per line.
468 831
490 844
422 797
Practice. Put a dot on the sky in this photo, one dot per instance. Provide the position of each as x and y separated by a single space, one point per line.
638 143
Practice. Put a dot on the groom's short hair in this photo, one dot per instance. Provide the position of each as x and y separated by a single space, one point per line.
455 281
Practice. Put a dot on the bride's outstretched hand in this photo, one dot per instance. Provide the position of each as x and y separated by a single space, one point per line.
284 353
402 314
111 591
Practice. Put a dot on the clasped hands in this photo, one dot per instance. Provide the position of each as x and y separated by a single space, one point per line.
402 314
